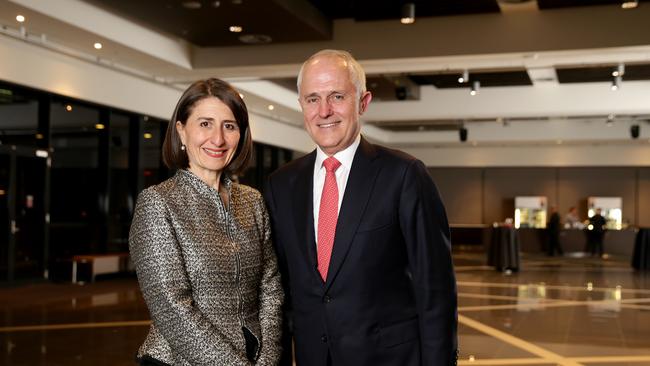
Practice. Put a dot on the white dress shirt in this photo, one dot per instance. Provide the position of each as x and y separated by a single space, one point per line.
345 157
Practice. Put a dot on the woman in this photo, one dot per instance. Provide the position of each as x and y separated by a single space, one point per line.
201 243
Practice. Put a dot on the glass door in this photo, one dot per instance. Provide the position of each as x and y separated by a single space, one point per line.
24 203
5 224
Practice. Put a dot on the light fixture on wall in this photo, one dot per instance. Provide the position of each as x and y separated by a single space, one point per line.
476 85
616 83
629 4
408 13
464 77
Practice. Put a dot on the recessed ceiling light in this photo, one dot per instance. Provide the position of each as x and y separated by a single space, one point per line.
271 107
147 135
99 126
191 5
464 77
98 46
20 18
68 107
476 85
630 4
408 13
39 136
235 28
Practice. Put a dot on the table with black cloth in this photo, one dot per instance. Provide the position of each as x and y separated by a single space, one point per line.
503 252
641 255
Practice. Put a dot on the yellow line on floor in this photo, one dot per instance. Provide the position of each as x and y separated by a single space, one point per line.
489 297
547 286
542 361
546 304
504 297
504 362
32 328
602 359
635 300
551 357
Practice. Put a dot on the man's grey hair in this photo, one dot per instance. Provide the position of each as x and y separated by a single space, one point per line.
357 75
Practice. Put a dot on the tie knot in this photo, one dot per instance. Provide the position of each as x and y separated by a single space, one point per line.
331 164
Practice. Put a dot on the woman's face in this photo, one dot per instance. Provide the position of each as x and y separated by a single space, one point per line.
210 136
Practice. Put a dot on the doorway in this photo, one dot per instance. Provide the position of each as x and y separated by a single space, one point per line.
24 207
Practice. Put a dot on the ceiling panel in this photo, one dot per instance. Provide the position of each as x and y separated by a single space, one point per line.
363 10
206 23
600 73
487 78
553 4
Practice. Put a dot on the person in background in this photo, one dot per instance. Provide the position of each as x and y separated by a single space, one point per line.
362 237
553 230
572 220
201 243
597 233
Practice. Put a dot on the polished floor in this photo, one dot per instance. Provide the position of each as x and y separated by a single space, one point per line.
554 311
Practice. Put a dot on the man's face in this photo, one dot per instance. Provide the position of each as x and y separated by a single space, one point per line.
330 105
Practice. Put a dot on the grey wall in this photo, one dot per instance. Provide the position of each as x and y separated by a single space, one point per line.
486 195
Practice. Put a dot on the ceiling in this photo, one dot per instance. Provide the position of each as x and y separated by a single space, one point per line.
206 23
534 61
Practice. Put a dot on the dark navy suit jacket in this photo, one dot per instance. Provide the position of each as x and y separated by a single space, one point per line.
390 293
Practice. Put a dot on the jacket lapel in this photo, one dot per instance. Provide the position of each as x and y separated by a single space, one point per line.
303 216
355 199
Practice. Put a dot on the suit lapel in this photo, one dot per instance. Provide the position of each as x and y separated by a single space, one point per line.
355 199
303 216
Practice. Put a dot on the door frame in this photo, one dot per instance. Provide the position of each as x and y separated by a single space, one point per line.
13 152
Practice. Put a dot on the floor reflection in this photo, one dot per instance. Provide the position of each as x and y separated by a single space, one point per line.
554 311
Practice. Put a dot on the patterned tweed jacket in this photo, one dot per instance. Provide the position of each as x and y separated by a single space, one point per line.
205 271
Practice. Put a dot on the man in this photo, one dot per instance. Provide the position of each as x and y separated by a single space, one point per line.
597 232
553 230
363 240
572 219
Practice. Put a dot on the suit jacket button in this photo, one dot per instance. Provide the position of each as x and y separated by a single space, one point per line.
327 299
323 338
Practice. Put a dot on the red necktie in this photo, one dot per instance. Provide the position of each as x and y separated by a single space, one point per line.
327 215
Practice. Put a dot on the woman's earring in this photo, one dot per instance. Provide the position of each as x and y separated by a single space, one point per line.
183 147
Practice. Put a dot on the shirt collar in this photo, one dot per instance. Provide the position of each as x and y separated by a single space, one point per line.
345 156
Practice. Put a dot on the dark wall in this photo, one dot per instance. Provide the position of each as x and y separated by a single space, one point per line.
460 188
486 195
576 184
503 184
